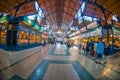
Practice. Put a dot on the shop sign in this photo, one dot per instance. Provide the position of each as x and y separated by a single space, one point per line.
3 18
117 23
83 29
92 25
33 24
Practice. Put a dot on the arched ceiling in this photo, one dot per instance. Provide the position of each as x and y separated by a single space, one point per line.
59 13
93 10
111 5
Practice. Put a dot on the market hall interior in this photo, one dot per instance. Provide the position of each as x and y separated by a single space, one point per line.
59 40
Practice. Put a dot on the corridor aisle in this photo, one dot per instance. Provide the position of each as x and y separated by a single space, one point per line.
55 62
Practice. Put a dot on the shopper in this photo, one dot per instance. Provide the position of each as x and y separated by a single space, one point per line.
84 49
106 48
100 51
79 47
91 48
68 45
95 50
87 48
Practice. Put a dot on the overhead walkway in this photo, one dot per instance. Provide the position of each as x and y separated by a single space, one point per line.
53 62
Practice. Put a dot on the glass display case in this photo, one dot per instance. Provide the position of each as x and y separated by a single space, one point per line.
115 40
42 40
22 37
76 41
32 39
38 39
3 37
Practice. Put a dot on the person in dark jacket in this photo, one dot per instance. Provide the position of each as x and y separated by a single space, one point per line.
91 47
87 48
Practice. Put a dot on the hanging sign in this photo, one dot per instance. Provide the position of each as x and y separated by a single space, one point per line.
92 25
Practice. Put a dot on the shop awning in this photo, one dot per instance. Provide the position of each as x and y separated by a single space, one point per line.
33 24
5 19
30 22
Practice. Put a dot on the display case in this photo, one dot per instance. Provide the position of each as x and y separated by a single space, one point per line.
115 40
76 41
32 39
38 39
22 37
42 40
3 37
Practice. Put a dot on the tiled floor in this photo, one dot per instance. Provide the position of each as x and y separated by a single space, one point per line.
61 72
53 63
60 49
115 59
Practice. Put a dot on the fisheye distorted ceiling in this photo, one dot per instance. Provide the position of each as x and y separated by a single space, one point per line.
59 13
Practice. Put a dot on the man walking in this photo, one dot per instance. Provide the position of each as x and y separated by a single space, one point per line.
100 51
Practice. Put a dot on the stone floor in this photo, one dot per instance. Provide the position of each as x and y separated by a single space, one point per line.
55 62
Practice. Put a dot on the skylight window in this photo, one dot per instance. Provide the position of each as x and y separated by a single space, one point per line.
71 23
80 11
39 10
87 18
114 18
83 6
81 17
39 16
31 17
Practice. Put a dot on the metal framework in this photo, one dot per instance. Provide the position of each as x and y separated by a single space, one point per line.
59 11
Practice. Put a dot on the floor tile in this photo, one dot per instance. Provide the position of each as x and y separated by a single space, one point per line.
54 63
